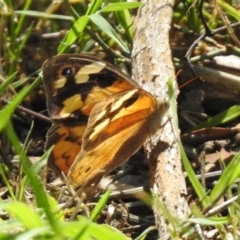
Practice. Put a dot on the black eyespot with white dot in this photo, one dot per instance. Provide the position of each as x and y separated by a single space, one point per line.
68 71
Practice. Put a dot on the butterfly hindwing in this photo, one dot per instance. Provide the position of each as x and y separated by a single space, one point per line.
117 128
67 142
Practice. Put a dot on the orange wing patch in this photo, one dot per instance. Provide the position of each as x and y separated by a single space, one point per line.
67 141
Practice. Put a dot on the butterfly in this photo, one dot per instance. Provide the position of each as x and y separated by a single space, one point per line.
100 117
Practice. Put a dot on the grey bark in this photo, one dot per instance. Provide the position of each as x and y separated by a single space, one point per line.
152 67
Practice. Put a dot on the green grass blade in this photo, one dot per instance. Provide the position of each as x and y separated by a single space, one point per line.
85 229
41 162
81 234
196 210
73 34
99 21
6 182
35 168
20 21
228 177
172 103
37 14
100 205
123 15
6 113
173 222
21 82
121 6
94 6
9 224
8 81
39 192
143 235
193 179
221 118
191 175
24 40
103 232
125 19
213 221
23 213
54 207
229 9
73 11
78 27
36 233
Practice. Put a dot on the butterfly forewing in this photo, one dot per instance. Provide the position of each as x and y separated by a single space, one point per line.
75 83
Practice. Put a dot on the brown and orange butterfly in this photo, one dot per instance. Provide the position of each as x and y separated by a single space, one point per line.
100 117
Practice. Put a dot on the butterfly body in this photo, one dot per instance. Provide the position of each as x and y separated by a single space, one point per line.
100 117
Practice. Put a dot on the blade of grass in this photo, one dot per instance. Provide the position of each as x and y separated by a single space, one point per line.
35 168
99 21
78 27
23 213
54 207
6 182
228 177
221 118
39 192
8 110
85 229
172 103
100 205
37 14
191 175
22 18
8 81
174 222
18 49
126 22
144 234
210 221
73 12
229 9
198 188
9 224
112 7
72 34
35 233
124 18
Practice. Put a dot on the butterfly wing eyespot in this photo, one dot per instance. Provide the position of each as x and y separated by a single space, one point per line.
68 71
100 116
